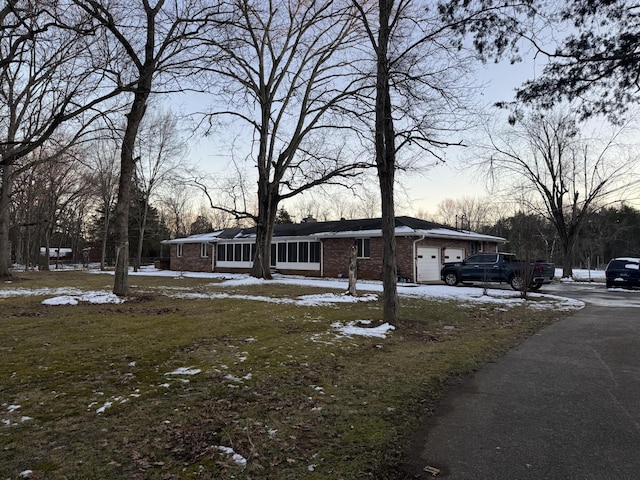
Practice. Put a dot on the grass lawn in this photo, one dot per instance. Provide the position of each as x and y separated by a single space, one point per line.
190 378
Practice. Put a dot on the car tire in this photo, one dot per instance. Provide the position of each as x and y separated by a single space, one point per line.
451 279
517 282
535 287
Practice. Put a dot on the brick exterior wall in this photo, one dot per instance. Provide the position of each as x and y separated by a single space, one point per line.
191 261
335 257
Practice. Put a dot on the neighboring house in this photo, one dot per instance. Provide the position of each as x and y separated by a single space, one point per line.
59 253
321 249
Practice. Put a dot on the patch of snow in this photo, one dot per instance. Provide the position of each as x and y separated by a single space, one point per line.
63 300
185 371
104 407
350 329
95 297
236 457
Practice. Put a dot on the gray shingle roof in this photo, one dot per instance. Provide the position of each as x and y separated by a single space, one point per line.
344 228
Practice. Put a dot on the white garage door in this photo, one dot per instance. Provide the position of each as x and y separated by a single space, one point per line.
428 264
453 254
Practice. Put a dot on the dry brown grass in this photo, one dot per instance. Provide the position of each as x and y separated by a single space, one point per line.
276 383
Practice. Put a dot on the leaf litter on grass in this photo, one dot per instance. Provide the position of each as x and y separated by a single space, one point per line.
292 390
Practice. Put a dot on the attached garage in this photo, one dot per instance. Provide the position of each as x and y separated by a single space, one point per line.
324 249
453 254
428 264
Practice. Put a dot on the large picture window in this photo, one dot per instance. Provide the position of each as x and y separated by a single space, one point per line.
303 252
236 252
295 252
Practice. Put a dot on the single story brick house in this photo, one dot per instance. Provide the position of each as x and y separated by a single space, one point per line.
322 249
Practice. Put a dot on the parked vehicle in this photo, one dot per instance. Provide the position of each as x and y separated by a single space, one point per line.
623 272
498 267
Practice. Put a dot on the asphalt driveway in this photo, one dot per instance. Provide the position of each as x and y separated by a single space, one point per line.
563 405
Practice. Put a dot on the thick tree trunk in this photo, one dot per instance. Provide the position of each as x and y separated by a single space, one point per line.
127 169
389 264
267 210
5 219
385 161
567 261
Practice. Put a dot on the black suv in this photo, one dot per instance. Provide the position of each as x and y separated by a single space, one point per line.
623 272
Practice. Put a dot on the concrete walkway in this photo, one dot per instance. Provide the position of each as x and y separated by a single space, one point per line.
563 405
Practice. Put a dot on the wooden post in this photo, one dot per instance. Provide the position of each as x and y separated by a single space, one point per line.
353 271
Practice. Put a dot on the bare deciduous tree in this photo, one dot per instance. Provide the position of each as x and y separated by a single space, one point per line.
102 159
287 72
421 98
157 44
466 213
568 175
48 88
161 151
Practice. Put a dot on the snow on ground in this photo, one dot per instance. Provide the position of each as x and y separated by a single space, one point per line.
368 291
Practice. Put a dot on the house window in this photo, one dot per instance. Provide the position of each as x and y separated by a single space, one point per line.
179 249
222 251
272 257
292 252
303 252
204 250
363 246
314 252
246 252
282 252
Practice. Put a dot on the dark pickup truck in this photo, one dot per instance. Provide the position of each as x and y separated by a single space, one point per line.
498 267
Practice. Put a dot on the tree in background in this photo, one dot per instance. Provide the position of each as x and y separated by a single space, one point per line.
422 89
151 46
466 213
283 217
160 160
597 64
50 90
568 175
201 225
286 72
102 158
175 203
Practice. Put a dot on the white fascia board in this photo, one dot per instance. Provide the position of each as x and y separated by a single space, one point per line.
459 235
294 238
252 239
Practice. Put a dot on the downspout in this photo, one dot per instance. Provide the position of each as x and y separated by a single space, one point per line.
415 258
214 255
